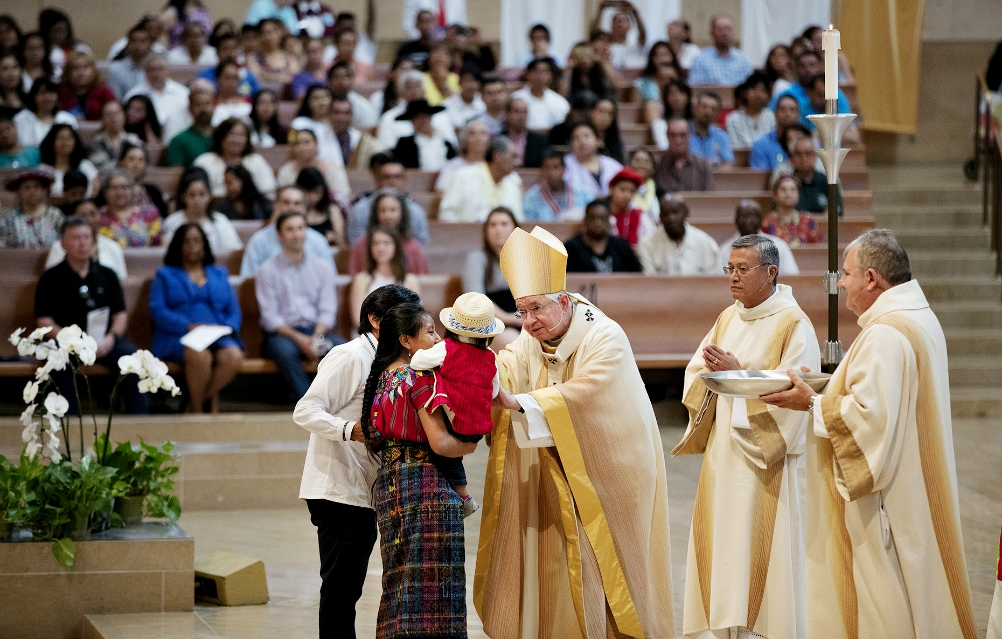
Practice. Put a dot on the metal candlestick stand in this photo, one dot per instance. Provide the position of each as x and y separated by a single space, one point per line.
831 126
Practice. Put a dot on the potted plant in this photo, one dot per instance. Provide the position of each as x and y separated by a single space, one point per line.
147 473
10 493
57 500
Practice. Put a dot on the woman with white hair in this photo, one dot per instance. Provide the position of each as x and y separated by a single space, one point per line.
473 142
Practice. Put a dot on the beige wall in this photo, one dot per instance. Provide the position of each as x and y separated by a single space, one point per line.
962 20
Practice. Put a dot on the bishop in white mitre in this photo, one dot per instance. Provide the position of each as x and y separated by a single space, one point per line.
745 568
885 557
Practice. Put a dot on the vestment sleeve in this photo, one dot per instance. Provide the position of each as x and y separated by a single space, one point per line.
863 423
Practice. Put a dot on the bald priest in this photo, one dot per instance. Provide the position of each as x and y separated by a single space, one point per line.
574 541
885 555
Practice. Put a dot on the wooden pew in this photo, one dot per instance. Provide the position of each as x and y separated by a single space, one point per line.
676 313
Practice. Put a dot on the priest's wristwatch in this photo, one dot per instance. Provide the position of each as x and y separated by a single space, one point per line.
814 400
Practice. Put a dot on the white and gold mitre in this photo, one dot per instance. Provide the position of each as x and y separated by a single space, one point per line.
534 263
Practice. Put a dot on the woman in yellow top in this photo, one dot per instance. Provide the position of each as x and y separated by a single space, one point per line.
439 81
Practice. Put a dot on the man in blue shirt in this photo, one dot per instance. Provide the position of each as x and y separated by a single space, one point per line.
767 152
809 66
228 48
720 63
706 139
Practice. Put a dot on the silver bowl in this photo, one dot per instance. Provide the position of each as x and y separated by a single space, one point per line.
752 384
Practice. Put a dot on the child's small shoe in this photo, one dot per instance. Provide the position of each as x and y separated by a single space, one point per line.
470 506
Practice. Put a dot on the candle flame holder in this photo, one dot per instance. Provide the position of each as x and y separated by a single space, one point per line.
831 127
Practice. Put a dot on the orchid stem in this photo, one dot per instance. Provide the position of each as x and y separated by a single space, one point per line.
111 414
76 392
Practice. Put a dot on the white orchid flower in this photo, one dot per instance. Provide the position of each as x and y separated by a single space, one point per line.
37 334
146 386
52 449
57 359
30 432
29 414
41 351
32 448
30 391
54 425
15 337
25 348
69 337
128 364
42 373
56 404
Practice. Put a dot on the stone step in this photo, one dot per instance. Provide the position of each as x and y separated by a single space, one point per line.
967 402
932 194
967 288
973 342
921 216
943 237
975 371
973 314
938 263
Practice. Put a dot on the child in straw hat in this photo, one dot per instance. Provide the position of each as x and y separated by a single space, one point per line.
466 379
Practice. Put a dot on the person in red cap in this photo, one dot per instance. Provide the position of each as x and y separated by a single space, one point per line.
32 223
631 223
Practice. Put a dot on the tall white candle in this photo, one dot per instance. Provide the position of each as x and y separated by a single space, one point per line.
831 42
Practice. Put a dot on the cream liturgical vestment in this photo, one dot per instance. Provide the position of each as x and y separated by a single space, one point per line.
745 566
885 557
574 541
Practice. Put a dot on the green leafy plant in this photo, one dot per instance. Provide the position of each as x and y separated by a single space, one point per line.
10 490
148 472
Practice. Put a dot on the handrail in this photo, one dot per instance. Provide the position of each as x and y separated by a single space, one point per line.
988 160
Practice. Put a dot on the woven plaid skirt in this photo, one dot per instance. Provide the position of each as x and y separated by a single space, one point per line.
420 519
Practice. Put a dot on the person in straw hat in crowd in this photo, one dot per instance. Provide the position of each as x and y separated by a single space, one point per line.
467 379
574 540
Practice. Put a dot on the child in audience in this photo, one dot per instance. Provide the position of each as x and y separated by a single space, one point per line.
466 380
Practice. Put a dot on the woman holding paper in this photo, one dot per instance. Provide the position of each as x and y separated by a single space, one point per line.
189 292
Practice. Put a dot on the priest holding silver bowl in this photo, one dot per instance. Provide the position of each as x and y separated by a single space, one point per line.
747 539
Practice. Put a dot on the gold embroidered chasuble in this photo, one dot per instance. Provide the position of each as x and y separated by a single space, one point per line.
745 566
885 557
575 540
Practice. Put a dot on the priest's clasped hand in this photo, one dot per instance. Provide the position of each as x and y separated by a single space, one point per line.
717 359
797 397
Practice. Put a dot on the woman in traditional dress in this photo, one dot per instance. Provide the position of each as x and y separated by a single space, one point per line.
419 515
785 221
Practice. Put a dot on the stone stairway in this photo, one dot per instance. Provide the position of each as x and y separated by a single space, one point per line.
936 215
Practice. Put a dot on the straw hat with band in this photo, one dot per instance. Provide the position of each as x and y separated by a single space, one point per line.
15 182
472 315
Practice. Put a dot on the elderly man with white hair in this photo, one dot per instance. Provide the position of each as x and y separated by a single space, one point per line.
479 188
575 538
885 555
169 97
745 567
410 87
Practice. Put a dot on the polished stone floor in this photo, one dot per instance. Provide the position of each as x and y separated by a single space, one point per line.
286 542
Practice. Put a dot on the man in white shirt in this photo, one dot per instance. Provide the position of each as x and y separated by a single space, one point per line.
465 106
340 80
107 251
677 248
446 12
748 219
194 47
339 470
547 108
477 189
410 87
170 98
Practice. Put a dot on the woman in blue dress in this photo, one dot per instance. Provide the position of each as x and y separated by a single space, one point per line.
190 290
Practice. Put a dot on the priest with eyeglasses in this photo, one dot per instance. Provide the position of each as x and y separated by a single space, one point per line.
745 566
574 541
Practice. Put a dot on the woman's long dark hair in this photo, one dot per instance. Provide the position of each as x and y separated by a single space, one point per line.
612 140
684 88
46 61
311 178
47 149
151 119
404 227
305 111
493 257
174 257
38 85
249 195
49 18
403 319
398 264
271 126
651 70
189 177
